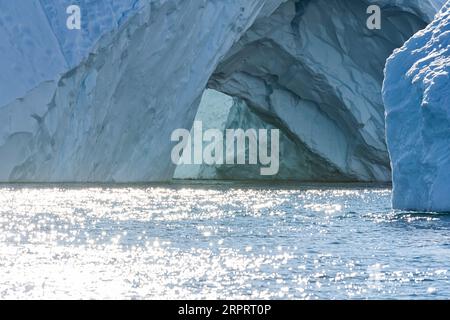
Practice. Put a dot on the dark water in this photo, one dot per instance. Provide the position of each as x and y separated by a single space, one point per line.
222 241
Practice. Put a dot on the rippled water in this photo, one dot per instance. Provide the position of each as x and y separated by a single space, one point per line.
217 241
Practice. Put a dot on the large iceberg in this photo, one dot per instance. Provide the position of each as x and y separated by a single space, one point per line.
417 99
100 104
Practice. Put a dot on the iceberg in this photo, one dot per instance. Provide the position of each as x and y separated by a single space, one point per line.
417 99
99 104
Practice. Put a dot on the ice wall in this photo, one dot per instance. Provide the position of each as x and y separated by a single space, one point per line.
110 118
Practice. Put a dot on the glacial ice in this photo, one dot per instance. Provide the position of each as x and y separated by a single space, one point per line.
36 46
110 118
417 99
315 70
100 104
220 111
213 112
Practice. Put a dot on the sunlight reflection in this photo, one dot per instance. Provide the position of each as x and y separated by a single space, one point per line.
215 242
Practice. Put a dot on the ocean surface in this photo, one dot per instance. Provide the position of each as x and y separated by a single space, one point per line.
223 241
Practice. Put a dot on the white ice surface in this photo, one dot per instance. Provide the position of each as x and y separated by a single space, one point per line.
417 99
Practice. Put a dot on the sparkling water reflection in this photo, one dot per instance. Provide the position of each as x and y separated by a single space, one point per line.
217 242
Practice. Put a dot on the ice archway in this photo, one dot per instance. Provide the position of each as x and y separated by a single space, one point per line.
310 68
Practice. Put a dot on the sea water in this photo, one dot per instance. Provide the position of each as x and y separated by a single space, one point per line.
218 241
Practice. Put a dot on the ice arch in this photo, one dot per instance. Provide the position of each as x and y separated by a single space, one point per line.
109 119
317 78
